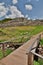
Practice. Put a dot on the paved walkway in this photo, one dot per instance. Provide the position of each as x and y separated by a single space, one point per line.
18 57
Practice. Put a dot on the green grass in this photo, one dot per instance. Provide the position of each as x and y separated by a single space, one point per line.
21 33
7 52
1 54
24 32
40 62
41 41
36 63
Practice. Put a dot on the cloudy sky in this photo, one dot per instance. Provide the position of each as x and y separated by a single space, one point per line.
31 9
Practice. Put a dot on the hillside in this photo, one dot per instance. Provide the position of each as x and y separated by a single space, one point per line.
19 22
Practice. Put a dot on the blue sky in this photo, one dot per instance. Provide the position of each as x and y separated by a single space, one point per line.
31 9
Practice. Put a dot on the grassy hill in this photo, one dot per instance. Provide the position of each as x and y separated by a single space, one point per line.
19 22
20 33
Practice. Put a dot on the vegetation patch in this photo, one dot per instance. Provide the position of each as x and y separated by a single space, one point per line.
20 33
7 52
5 20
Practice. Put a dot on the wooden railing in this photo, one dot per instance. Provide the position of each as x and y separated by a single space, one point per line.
10 43
32 52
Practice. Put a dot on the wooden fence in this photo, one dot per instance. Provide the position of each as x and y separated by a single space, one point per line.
32 52
9 43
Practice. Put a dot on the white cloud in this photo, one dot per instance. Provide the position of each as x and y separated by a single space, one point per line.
26 16
13 9
3 10
15 1
34 19
29 18
28 7
14 12
2 3
7 16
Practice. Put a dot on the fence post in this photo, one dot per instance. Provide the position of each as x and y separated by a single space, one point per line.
37 51
29 60
3 50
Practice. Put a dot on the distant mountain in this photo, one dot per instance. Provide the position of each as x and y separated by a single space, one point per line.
20 22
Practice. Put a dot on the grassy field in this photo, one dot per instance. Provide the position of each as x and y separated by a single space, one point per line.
21 35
